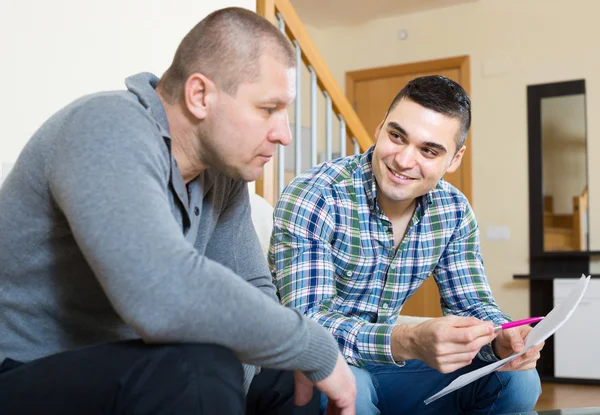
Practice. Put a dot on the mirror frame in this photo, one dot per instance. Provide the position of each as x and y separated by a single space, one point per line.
535 94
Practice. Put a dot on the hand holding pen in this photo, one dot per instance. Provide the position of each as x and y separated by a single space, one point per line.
511 339
518 323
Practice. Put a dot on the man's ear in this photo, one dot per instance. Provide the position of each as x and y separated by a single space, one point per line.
455 163
199 95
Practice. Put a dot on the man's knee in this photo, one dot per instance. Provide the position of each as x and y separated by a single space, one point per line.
522 389
207 358
204 360
191 377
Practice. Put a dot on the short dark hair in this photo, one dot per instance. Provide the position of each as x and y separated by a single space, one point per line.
226 47
442 95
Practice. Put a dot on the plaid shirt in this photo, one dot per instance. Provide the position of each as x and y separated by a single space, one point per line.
332 257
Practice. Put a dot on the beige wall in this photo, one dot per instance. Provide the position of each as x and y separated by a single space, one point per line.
512 44
55 51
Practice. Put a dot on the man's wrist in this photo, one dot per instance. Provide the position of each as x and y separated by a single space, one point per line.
402 341
493 347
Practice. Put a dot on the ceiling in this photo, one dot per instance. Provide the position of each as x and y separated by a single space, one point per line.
327 13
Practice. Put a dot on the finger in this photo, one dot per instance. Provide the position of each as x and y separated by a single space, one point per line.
303 394
447 364
481 334
529 364
511 366
303 390
515 339
459 321
458 358
515 367
334 409
523 362
447 347
530 358
534 351
449 368
479 342
348 411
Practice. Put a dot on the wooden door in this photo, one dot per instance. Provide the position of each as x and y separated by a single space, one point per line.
371 91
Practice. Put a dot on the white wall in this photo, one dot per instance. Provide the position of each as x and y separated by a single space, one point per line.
512 44
54 51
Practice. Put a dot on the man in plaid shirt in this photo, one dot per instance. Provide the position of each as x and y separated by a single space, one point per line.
354 238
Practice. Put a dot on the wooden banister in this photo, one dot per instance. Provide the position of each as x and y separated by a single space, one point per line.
266 8
311 57
325 79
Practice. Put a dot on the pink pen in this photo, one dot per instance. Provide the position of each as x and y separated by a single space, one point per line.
518 323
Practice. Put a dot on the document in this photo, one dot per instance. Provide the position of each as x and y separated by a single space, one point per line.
544 329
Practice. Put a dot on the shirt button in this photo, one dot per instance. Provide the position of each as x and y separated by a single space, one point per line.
393 266
349 273
196 210
385 306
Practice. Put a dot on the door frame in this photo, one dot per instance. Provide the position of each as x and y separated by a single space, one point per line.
463 63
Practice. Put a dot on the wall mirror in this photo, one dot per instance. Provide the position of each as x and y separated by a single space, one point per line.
558 166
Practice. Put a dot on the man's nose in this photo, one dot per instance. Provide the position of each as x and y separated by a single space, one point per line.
406 158
281 132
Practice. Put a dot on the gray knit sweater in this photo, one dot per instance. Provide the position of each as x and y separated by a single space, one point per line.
100 241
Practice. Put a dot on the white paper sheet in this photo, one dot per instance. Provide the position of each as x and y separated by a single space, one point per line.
544 329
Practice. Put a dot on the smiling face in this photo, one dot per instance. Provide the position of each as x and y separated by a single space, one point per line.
242 131
415 147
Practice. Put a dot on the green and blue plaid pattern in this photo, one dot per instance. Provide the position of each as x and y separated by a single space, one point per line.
332 257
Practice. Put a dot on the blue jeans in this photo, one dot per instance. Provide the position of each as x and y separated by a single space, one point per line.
397 390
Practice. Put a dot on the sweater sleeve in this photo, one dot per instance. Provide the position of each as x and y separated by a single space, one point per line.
109 176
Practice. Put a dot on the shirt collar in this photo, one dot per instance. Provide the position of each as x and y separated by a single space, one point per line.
143 86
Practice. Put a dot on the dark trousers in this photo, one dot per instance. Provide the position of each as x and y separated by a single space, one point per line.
133 378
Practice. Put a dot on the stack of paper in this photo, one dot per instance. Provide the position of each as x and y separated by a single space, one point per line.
544 329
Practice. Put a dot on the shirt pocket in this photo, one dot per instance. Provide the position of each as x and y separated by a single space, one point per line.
357 283
353 269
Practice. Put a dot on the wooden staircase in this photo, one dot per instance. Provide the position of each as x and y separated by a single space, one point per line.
282 14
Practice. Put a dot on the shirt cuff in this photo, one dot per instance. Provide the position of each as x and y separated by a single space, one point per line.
374 344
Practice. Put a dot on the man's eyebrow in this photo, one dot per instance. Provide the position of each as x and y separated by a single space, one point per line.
395 126
275 101
437 146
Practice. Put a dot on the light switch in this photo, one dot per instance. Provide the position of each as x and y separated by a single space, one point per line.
497 233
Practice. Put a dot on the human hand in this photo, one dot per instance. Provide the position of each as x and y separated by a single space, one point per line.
446 343
512 341
339 386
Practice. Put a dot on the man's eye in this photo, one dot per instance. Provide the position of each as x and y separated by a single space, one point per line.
269 110
429 152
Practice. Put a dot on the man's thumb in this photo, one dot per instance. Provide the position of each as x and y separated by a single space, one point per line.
303 389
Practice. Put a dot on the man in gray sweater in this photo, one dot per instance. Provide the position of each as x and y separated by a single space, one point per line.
131 278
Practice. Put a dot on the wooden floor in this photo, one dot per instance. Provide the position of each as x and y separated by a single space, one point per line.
557 395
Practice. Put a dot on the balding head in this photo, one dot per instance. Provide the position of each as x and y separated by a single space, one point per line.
226 47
